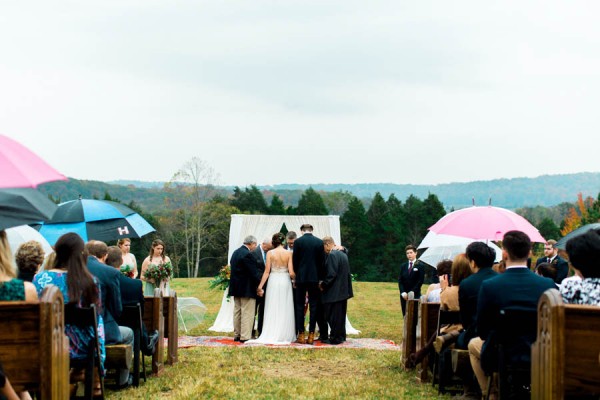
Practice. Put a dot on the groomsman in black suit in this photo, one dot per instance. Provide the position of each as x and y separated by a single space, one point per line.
308 259
112 307
412 275
243 283
337 289
260 253
516 287
552 257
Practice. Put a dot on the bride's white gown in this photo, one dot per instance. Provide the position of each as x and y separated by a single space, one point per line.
279 326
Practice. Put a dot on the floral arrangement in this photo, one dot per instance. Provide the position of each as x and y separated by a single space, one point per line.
221 280
127 270
159 272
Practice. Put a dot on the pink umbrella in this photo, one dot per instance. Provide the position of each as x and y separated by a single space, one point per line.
21 168
487 222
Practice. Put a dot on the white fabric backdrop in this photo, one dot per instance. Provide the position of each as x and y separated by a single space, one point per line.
264 226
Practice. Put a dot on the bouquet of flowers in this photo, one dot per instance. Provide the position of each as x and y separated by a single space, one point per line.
158 273
127 270
221 281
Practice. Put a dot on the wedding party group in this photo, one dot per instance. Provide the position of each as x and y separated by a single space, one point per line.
276 280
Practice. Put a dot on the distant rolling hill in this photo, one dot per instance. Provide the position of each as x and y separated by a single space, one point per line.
547 190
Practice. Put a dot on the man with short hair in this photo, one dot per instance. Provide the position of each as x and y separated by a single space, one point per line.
336 286
289 240
244 280
110 293
551 257
411 277
260 253
308 258
516 287
481 257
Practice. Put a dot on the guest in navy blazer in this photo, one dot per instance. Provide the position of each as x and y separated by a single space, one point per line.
481 257
516 287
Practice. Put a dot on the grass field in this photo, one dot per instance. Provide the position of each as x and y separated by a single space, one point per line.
269 373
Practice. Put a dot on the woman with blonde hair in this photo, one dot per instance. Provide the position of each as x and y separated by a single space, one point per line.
128 257
12 288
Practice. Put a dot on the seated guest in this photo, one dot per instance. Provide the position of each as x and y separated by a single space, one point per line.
448 298
461 269
77 285
547 270
584 256
433 291
29 257
132 293
6 389
110 292
481 258
12 289
516 287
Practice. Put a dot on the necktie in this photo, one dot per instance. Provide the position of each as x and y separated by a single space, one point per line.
549 260
265 256
410 267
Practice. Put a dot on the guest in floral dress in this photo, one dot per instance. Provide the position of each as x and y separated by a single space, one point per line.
584 256
70 275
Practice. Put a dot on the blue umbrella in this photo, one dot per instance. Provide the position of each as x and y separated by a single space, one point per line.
95 219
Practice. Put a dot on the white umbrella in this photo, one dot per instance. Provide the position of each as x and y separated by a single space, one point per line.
20 234
446 247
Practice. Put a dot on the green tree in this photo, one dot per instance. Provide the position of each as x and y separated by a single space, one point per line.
276 207
337 202
311 203
355 231
548 229
249 200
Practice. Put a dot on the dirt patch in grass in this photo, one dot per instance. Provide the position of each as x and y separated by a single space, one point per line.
304 370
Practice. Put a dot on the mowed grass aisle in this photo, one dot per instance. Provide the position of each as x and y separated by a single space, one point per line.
279 373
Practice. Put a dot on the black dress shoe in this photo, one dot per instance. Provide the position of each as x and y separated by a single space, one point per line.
331 341
243 341
236 339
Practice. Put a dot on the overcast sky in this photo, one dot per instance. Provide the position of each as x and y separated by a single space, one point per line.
271 92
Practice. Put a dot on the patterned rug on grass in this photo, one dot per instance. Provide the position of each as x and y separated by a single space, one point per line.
351 343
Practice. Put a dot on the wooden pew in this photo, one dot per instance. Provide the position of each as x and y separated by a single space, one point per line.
171 326
409 331
428 321
154 320
564 358
33 346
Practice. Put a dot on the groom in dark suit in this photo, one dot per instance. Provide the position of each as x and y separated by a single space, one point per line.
308 259
412 275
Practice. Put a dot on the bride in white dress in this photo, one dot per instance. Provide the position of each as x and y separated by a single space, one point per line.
279 326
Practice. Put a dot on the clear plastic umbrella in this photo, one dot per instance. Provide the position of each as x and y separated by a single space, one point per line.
190 312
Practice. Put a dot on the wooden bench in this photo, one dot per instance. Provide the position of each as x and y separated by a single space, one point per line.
428 321
564 358
171 326
33 346
154 320
409 331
